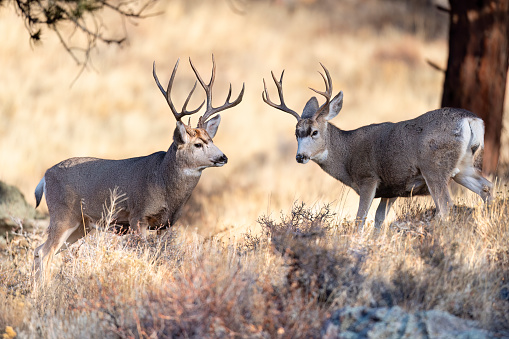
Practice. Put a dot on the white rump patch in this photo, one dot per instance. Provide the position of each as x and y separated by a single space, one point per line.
472 135
466 136
477 128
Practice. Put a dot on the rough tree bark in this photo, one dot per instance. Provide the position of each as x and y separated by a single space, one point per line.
477 67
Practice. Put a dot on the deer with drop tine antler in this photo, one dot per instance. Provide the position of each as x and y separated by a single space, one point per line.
155 186
391 160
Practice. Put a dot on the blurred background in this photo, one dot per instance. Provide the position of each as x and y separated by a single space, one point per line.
377 52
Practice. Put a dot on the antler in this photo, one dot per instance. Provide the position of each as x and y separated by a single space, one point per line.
208 90
282 106
166 94
328 91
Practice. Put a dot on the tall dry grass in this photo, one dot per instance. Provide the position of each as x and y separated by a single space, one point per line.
282 282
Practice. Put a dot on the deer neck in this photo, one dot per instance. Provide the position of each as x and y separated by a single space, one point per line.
336 154
177 170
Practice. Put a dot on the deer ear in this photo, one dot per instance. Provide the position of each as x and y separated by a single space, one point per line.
334 107
180 135
310 108
212 125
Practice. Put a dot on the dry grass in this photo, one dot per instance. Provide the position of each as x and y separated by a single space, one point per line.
235 277
282 282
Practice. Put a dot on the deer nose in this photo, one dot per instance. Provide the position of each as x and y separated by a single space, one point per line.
300 158
221 160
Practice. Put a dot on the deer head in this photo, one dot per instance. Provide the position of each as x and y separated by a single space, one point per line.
311 128
195 147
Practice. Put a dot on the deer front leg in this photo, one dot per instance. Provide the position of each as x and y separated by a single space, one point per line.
366 193
139 226
382 210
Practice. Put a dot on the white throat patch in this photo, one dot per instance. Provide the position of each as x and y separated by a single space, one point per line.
321 157
193 172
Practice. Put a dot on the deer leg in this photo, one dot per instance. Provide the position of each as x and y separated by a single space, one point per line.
79 233
37 267
57 235
367 194
474 181
439 190
162 232
382 210
139 226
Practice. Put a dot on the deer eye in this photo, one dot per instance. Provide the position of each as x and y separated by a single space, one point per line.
198 145
314 134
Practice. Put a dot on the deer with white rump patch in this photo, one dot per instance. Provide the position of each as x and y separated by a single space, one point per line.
155 186
391 160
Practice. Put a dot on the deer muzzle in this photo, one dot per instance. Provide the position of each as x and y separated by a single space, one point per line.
220 161
301 158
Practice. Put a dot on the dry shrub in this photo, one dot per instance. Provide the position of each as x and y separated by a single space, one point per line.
316 268
418 262
102 269
198 303
214 292
447 264
282 282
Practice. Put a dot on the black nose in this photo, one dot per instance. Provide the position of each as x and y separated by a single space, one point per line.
300 158
222 159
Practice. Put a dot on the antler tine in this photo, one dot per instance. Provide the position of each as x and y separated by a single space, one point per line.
282 106
210 110
166 94
211 82
328 90
187 101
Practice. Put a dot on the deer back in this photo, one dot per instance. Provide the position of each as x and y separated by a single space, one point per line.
396 153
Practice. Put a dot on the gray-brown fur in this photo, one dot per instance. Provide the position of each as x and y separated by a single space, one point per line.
391 160
154 188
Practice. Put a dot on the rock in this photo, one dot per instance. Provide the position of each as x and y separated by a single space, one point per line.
14 210
394 322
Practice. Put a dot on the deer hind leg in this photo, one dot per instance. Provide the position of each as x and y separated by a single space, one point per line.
439 190
471 178
58 233
76 235
382 210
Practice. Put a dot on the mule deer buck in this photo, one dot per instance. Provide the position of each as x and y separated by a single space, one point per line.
155 186
391 160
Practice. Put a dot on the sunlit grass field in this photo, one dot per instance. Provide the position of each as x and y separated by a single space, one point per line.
230 268
116 111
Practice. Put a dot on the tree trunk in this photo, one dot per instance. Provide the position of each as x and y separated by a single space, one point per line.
477 67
